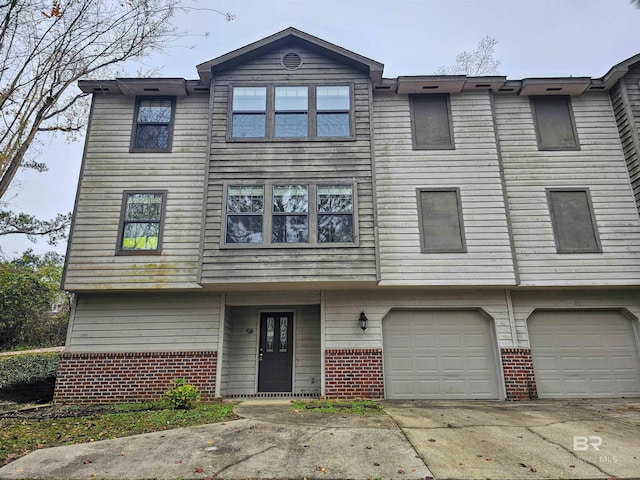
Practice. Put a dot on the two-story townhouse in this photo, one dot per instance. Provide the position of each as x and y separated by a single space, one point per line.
294 224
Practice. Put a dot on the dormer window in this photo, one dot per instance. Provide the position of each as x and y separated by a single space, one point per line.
291 113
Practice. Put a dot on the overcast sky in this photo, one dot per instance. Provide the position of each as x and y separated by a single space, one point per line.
536 38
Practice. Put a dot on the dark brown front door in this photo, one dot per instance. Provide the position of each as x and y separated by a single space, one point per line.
276 352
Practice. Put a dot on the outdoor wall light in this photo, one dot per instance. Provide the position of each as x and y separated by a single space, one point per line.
363 321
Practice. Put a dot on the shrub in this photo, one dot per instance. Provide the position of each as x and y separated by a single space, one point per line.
24 369
182 395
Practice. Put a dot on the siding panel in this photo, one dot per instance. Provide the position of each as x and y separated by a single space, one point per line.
473 167
145 323
109 169
300 161
599 165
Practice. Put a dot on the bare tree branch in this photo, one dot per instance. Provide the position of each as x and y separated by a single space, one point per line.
479 62
47 45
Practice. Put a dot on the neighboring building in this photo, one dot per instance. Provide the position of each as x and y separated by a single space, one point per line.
235 230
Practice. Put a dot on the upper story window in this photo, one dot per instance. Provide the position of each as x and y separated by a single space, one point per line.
291 112
335 213
245 208
141 222
440 220
553 118
574 224
249 117
431 122
153 127
333 107
293 217
290 214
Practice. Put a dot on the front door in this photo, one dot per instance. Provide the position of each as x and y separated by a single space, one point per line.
276 352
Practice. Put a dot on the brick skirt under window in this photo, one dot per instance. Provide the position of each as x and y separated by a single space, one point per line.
144 376
354 373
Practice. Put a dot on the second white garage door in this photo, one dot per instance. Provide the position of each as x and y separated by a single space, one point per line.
439 355
584 354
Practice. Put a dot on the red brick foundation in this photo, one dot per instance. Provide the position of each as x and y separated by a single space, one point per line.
354 373
519 378
117 377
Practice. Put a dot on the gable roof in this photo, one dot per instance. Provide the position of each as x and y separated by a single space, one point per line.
619 70
286 37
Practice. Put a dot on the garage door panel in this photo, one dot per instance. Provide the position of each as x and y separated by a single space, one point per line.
584 354
424 341
452 355
400 341
426 365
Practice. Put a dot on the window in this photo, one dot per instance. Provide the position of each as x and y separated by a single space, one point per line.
574 224
335 213
289 218
249 118
290 214
431 122
291 112
440 219
153 128
245 207
141 222
554 124
332 107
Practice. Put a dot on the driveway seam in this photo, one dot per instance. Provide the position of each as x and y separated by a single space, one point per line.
570 452
404 434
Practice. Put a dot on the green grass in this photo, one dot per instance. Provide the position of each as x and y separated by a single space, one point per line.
67 425
355 407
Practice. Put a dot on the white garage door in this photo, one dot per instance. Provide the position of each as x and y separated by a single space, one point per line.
584 354
439 355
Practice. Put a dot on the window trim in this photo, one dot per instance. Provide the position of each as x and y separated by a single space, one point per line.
423 244
267 223
541 147
594 224
312 113
125 193
414 138
134 129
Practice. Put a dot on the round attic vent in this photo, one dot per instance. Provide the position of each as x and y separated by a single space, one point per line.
291 60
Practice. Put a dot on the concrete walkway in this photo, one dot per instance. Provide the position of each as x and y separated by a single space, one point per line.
272 441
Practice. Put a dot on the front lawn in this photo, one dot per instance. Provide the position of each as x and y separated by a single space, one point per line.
52 426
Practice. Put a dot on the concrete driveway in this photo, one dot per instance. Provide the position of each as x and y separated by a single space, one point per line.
578 439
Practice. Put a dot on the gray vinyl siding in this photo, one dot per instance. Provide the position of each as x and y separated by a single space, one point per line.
625 97
109 169
240 360
237 162
125 322
342 309
472 167
598 166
